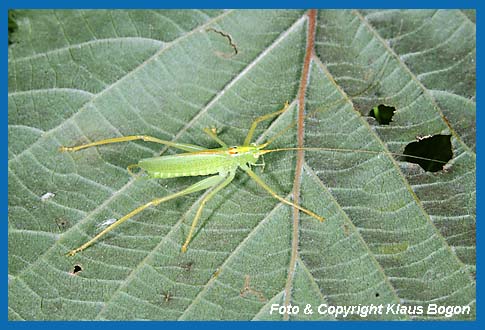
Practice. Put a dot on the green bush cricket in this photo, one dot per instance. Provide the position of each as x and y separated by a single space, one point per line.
222 163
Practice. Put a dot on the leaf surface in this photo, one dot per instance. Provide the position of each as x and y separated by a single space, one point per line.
393 234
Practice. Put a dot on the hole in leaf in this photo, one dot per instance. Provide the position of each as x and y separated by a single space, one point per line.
383 113
377 295
187 266
429 152
231 42
77 269
62 224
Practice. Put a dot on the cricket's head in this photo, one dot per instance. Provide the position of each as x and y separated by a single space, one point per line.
247 154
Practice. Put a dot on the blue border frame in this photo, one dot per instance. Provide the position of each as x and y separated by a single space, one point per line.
5 5
242 4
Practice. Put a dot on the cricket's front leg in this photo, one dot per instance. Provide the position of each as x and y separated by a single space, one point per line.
275 195
255 123
213 135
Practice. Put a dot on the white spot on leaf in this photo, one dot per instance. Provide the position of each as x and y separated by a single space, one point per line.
47 196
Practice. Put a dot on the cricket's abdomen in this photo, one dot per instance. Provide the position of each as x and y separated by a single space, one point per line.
189 164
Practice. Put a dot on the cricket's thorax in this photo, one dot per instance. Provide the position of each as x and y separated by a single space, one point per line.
244 154
205 162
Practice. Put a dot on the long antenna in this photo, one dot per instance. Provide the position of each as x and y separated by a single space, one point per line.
262 152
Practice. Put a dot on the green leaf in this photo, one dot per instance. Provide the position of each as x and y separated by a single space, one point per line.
393 234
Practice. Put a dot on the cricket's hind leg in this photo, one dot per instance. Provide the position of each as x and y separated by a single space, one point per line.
201 185
181 146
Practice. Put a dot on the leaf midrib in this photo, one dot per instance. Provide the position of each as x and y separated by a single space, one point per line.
263 54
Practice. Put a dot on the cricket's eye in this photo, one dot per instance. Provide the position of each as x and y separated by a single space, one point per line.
233 150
